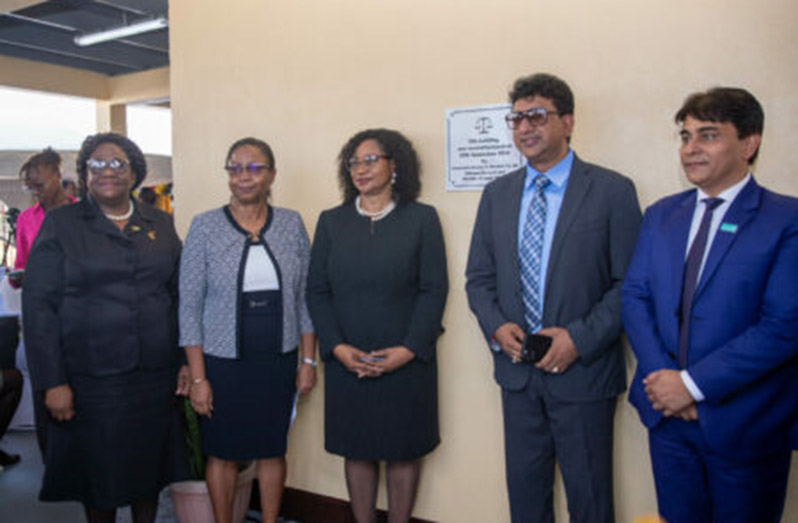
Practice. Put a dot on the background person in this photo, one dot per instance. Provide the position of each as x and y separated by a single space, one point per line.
377 288
11 379
99 302
10 394
242 317
41 174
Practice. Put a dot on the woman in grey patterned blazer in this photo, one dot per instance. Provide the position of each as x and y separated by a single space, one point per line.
242 318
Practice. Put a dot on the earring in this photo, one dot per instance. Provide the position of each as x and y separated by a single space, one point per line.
393 178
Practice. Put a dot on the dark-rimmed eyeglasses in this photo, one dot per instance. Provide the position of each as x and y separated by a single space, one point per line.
235 169
367 161
536 116
98 166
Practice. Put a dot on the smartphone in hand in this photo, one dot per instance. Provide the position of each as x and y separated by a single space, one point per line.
535 347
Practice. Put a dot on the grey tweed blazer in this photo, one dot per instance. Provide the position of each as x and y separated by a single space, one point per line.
210 279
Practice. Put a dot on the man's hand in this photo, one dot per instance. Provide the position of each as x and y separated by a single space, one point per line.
689 413
60 402
510 337
562 352
667 393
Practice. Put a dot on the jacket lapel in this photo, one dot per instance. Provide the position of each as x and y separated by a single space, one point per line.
742 210
578 186
676 233
512 212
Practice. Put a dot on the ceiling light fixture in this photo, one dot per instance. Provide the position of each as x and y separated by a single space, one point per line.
122 31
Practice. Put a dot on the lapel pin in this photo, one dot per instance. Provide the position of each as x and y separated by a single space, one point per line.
728 227
151 235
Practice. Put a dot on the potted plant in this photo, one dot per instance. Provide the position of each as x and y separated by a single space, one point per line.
190 498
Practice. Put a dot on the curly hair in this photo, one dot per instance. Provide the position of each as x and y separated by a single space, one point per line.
399 149
134 155
47 157
547 86
726 105
258 144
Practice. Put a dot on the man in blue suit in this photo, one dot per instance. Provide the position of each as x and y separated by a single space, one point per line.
710 306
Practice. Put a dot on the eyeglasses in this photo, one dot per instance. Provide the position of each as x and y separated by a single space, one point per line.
33 186
235 169
367 161
98 166
536 116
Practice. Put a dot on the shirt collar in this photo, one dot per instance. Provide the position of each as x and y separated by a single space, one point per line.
729 194
558 174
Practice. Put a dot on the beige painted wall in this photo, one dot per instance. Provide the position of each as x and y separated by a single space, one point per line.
112 90
39 76
12 5
135 87
306 75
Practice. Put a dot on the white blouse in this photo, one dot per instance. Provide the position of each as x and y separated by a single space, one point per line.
259 271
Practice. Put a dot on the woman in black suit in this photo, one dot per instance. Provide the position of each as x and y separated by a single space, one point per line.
99 301
377 286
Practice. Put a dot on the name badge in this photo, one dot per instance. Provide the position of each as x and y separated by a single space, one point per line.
728 227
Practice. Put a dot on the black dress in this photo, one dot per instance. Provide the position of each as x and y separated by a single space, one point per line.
377 285
100 316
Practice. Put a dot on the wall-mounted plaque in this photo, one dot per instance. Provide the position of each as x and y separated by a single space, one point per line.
479 147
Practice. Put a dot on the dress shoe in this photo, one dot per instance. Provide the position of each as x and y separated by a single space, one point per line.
7 460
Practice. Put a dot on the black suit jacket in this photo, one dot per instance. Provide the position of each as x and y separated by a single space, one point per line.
97 301
593 242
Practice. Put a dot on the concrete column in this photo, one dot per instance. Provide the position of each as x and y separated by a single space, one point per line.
111 117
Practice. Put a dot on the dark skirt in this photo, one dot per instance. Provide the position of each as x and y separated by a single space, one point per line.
124 444
393 417
253 395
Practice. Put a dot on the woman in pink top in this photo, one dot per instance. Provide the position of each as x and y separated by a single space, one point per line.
41 174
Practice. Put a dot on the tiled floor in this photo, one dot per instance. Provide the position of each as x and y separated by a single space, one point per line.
19 485
19 489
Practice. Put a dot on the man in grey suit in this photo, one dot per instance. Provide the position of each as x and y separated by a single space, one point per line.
548 253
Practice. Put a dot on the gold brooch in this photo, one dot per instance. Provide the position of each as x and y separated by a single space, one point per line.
151 235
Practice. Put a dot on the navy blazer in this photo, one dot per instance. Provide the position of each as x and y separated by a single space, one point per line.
97 301
744 320
593 242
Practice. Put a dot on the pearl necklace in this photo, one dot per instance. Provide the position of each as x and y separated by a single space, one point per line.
121 217
377 215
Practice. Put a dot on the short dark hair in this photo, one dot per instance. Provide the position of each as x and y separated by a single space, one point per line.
547 86
258 144
47 157
394 144
726 105
136 158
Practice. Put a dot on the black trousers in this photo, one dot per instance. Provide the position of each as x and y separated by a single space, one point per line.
10 394
539 430
9 340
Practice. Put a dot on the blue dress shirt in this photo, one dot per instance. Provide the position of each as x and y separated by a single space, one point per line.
554 193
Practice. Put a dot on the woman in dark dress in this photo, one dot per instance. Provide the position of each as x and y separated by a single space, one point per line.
99 301
376 290
242 318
